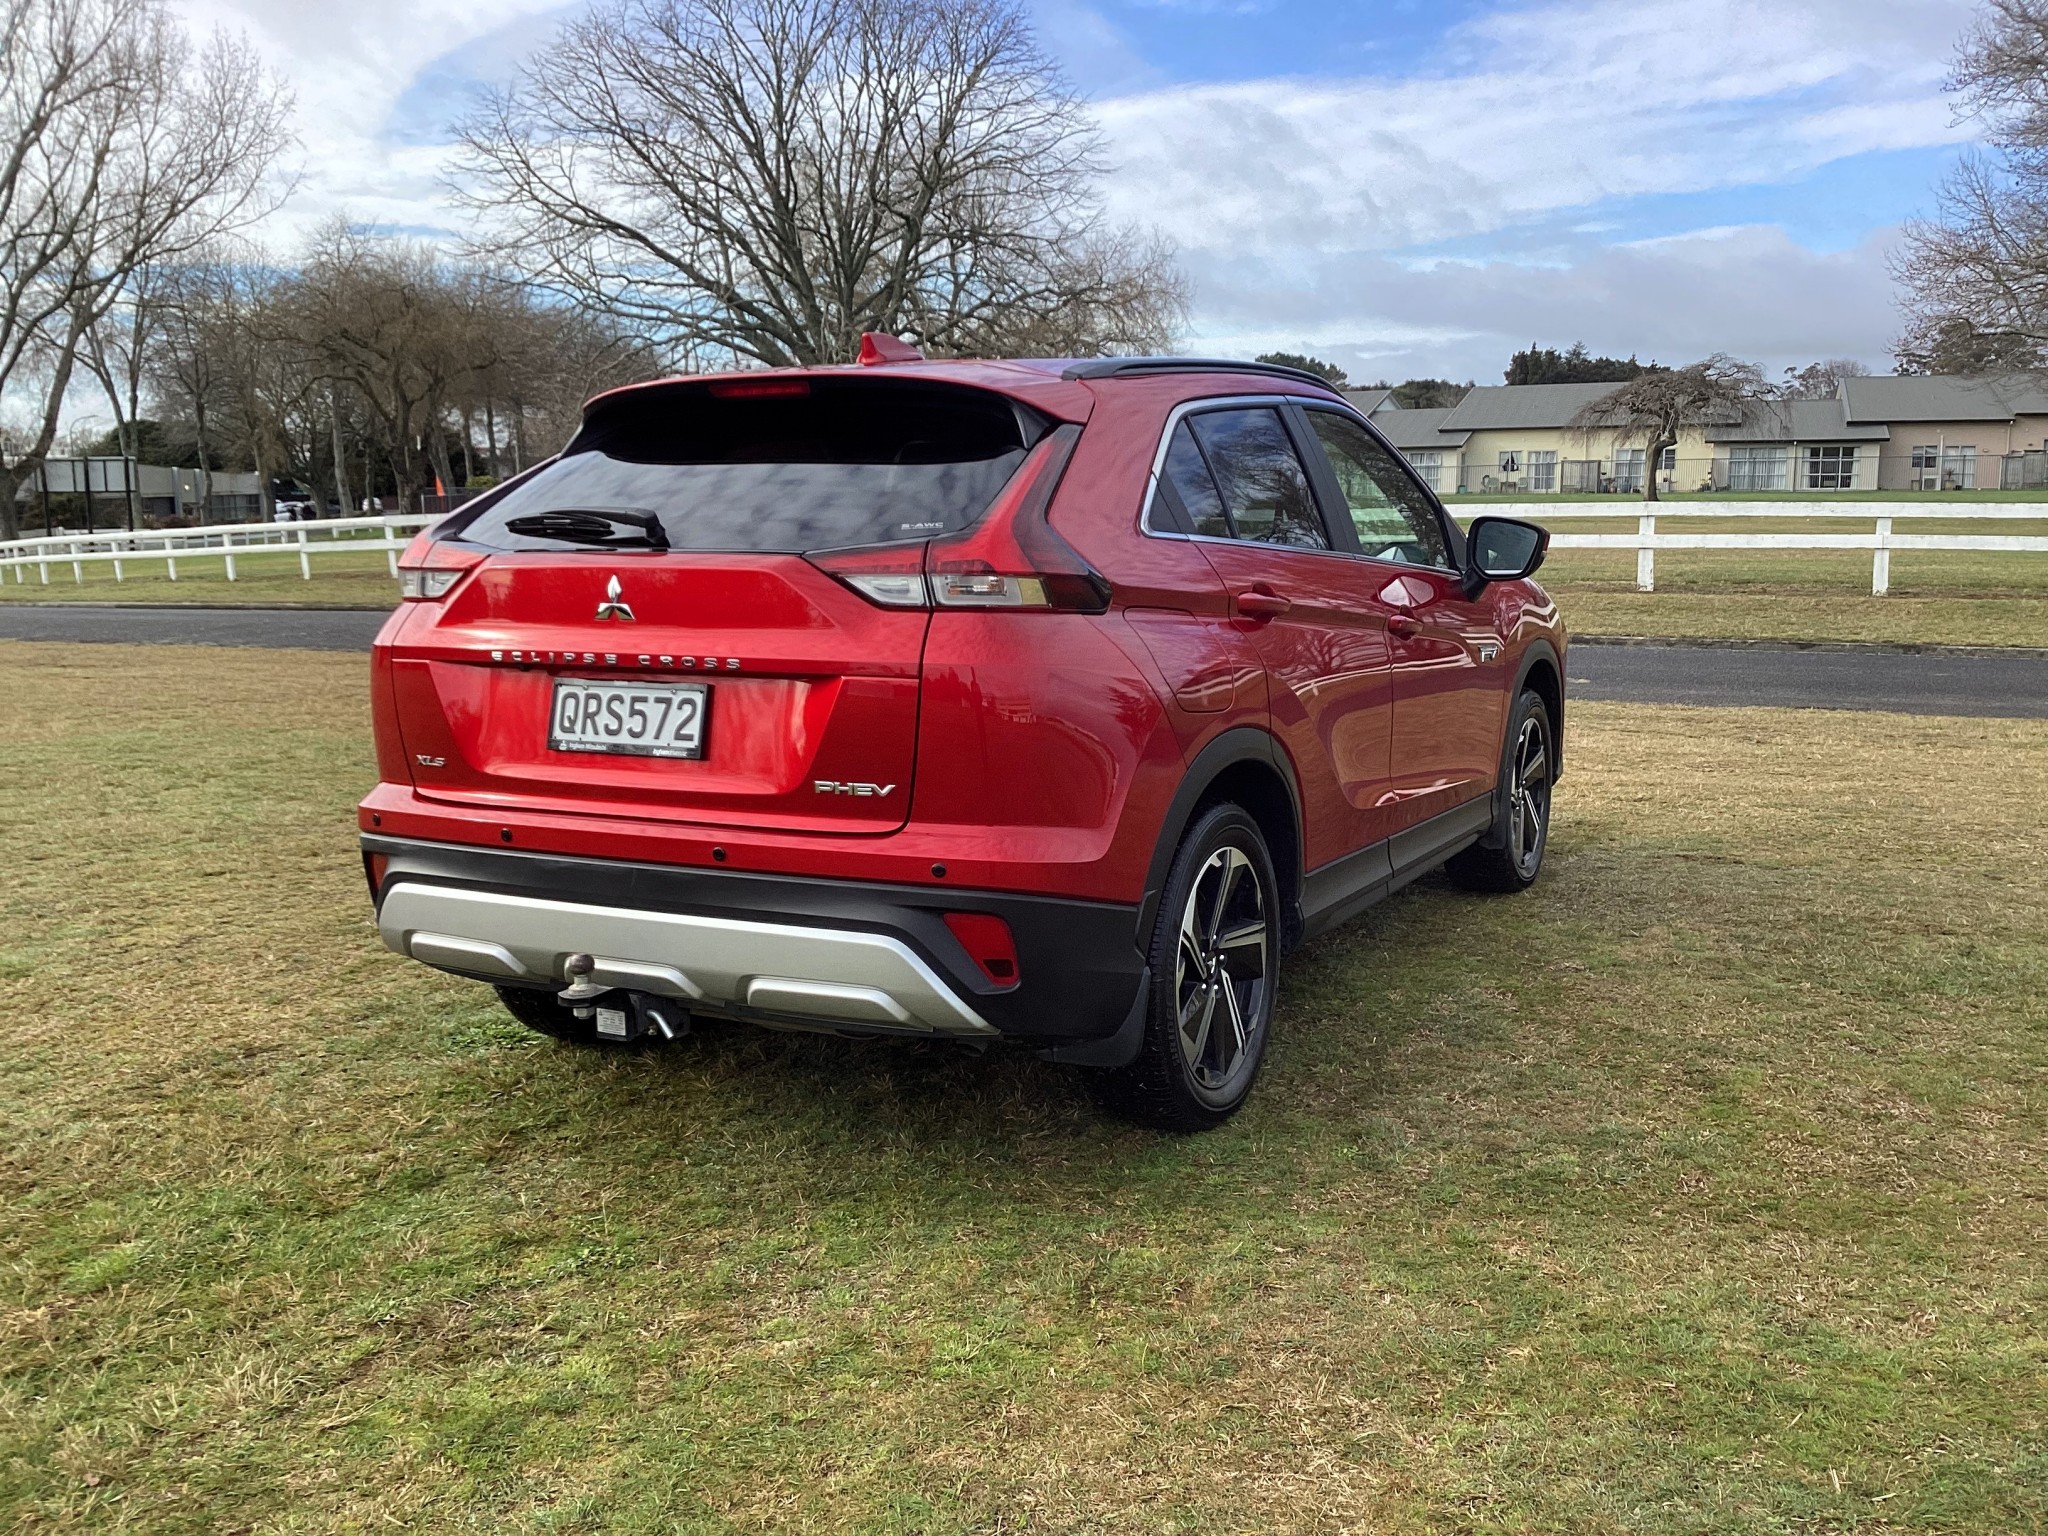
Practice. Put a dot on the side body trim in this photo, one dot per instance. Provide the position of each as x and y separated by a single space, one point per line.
1343 888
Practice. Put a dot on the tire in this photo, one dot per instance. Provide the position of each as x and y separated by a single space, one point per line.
539 1010
1521 829
1215 957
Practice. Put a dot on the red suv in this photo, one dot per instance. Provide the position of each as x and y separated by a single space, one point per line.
1033 701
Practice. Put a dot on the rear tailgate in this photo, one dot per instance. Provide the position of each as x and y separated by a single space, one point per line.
811 693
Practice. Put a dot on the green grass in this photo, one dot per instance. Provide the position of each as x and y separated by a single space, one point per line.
1936 598
350 577
1700 1190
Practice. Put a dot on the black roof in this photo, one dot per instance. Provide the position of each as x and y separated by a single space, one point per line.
1124 367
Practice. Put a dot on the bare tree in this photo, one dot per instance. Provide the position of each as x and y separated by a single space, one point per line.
766 179
123 146
1657 405
1977 274
1821 380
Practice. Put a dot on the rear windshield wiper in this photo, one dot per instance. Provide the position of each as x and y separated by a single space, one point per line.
592 525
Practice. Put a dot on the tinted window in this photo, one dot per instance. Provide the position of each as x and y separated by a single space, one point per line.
1265 489
1195 486
847 462
1393 515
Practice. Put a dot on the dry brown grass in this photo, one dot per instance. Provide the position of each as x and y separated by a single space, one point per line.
1699 1190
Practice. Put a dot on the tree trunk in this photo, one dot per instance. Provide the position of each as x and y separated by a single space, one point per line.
340 458
491 440
1653 456
11 481
202 453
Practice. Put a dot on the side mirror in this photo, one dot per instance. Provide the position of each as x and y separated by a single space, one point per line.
1502 549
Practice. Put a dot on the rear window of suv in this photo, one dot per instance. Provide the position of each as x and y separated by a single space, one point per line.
844 461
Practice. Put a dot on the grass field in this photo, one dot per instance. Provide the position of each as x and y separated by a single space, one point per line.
1700 1190
349 577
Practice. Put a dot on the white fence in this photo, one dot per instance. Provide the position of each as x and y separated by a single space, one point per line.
342 535
1880 540
390 534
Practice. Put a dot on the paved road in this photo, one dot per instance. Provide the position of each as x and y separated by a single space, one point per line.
305 629
1928 684
1924 684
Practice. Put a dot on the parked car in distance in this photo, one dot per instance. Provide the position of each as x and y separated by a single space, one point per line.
1046 703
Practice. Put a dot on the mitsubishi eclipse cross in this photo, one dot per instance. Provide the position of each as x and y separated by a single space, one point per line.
1049 703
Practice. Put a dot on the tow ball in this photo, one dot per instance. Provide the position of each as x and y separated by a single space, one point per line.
624 1015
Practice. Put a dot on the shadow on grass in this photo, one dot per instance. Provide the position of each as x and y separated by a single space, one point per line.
917 1123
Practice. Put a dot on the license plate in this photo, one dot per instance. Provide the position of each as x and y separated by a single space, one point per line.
629 719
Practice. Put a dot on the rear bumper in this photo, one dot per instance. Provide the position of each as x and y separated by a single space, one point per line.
834 954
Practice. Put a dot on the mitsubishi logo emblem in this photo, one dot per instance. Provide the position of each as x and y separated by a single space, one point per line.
613 607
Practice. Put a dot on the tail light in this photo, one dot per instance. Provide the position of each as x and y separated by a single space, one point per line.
1011 558
428 570
989 944
887 575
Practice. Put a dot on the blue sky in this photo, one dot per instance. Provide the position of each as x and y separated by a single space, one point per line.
1403 186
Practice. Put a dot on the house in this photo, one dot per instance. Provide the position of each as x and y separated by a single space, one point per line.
1368 401
1945 432
1878 433
1517 439
1797 445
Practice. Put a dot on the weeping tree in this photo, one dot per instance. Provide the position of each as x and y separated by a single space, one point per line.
763 180
1659 404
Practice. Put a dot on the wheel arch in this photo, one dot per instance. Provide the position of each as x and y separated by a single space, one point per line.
1541 671
1244 766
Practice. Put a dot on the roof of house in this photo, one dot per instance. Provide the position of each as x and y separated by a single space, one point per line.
1409 430
1496 407
1797 421
1366 401
1890 397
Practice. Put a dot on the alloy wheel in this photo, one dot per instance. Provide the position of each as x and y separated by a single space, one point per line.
1222 971
1529 796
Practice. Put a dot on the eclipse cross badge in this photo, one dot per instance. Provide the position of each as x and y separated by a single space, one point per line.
613 606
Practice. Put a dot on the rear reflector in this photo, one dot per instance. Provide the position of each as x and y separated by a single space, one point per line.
374 865
989 944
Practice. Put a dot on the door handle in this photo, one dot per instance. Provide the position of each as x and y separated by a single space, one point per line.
1261 604
1404 626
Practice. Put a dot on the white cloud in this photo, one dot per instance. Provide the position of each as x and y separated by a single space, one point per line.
1289 197
1752 292
1556 107
1399 216
349 62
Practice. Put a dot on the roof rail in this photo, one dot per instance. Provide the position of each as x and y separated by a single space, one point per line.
1123 367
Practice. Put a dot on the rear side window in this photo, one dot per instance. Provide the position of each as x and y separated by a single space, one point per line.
1195 486
843 462
1262 484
